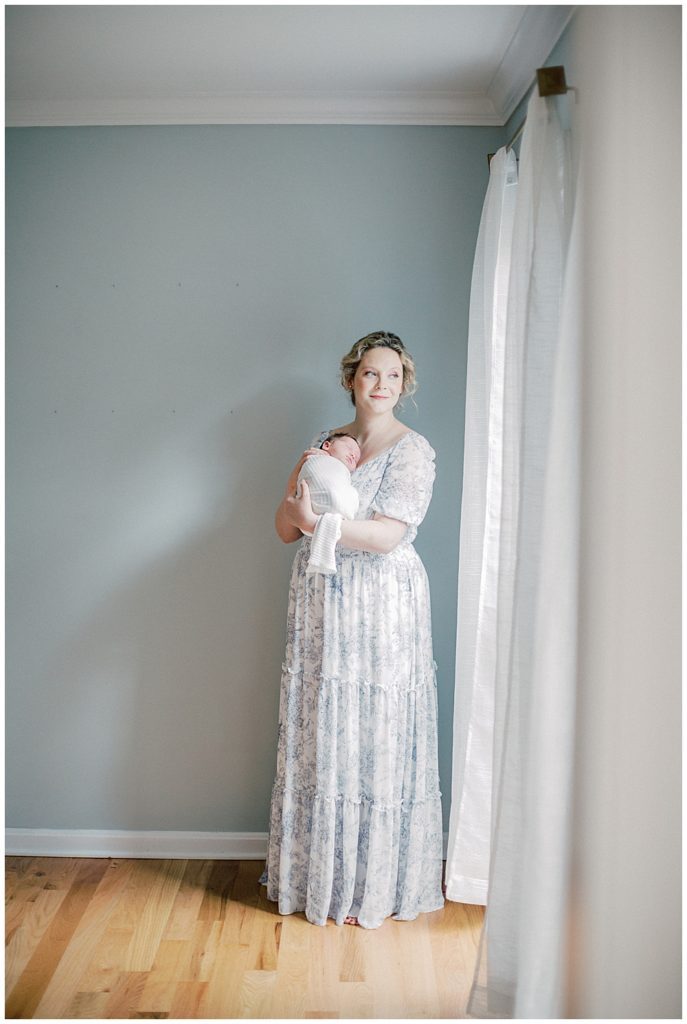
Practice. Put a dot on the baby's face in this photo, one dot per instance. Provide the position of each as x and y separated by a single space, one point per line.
345 449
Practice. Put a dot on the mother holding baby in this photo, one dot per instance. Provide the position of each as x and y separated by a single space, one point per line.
355 820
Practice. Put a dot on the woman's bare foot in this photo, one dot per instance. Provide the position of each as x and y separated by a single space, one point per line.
350 920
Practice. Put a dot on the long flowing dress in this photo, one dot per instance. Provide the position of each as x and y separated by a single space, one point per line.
355 818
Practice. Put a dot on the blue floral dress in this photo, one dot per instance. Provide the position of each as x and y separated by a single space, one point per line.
355 819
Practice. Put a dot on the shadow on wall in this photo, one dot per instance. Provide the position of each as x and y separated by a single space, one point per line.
175 676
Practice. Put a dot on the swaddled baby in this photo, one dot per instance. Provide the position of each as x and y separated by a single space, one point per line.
333 496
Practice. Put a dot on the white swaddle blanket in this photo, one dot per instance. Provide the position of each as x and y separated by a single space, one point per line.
333 498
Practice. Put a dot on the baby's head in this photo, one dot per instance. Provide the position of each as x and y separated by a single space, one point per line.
343 447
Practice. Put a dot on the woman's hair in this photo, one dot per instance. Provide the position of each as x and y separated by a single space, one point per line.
378 339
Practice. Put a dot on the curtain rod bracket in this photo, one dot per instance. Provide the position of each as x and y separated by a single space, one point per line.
551 81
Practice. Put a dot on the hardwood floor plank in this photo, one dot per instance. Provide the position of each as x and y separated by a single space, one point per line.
172 959
126 994
15 864
40 873
263 948
222 996
252 921
255 995
66 980
355 1000
243 973
25 884
324 967
244 900
107 961
237 925
454 938
16 870
208 944
291 988
156 910
189 899
218 890
188 996
87 1005
352 958
414 954
127 913
384 969
15 913
36 920
204 951
25 997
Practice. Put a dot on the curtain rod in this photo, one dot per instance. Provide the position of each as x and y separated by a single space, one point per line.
551 82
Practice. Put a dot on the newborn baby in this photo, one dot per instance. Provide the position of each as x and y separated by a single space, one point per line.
333 496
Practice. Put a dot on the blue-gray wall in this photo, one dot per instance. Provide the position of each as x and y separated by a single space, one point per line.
178 299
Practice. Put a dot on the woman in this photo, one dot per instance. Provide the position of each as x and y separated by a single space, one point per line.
355 822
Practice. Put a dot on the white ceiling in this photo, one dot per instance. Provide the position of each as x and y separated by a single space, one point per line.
227 64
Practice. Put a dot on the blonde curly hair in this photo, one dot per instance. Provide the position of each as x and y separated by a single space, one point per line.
378 339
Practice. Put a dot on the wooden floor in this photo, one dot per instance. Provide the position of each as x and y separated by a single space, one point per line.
182 939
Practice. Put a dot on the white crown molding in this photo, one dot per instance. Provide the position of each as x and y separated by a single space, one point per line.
143 845
538 32
428 108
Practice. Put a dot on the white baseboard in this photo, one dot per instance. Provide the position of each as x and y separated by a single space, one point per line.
87 842
48 842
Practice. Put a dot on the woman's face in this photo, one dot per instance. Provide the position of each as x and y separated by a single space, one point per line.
378 380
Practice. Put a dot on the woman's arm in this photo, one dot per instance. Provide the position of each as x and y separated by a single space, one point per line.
379 535
286 529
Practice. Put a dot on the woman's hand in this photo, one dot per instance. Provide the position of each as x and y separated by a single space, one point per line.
298 510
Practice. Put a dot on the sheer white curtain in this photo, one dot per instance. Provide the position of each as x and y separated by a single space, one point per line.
534 610
467 862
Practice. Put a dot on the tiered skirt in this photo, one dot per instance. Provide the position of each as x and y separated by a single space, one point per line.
355 819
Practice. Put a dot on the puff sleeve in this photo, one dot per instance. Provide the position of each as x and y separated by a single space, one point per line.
406 486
